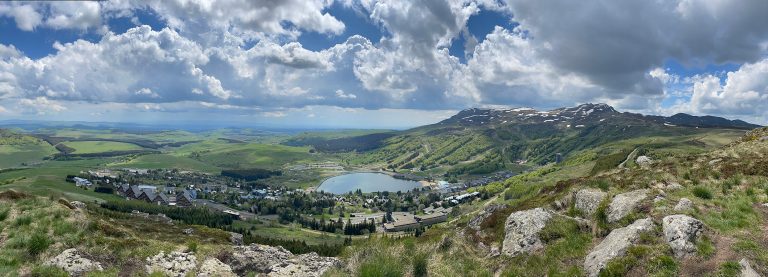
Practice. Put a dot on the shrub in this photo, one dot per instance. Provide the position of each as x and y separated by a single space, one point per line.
4 213
601 214
729 269
558 227
663 264
420 265
23 220
602 184
192 246
702 192
705 247
381 266
37 244
48 271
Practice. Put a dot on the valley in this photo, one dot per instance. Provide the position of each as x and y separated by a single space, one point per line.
465 176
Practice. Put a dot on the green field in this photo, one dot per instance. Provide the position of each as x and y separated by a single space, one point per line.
50 180
244 155
16 155
158 161
291 233
87 147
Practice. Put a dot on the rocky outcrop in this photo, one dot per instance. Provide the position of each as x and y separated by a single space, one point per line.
587 200
522 231
624 203
236 238
615 245
212 267
683 205
644 161
172 264
673 186
276 260
475 222
78 205
70 261
681 233
746 269
310 265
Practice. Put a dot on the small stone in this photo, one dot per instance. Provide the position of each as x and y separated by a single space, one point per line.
625 203
643 161
78 205
746 269
235 238
587 200
681 233
187 231
70 261
683 205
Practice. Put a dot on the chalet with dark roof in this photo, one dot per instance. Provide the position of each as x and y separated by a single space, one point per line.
184 199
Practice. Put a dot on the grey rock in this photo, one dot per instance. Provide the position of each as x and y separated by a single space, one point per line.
522 231
683 205
681 233
746 269
310 265
587 200
625 203
494 252
236 238
78 204
187 231
763 138
70 261
643 161
672 186
475 222
615 245
174 264
212 267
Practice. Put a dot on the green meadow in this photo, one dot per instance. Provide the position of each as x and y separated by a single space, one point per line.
88 147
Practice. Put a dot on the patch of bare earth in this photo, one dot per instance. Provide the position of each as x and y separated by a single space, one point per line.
698 266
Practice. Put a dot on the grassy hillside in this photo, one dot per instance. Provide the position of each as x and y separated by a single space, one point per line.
17 149
86 147
727 186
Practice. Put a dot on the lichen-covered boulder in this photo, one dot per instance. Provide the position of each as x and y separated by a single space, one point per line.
212 267
310 265
643 161
683 205
73 263
587 200
522 231
615 245
256 258
475 222
681 233
625 203
174 264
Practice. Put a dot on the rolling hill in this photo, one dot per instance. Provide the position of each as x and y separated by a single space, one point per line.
486 140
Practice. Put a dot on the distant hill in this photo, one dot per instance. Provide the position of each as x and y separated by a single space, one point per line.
485 140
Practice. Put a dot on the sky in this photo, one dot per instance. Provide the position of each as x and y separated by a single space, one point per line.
376 63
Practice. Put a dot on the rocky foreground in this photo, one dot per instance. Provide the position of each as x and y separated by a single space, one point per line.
260 259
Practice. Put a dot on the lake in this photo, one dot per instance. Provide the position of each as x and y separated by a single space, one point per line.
366 182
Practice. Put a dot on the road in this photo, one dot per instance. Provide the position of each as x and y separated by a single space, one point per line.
221 207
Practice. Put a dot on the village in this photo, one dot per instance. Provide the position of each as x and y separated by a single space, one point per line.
255 200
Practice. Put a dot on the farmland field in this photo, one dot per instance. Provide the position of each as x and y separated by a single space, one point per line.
86 147
157 161
246 155
16 155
